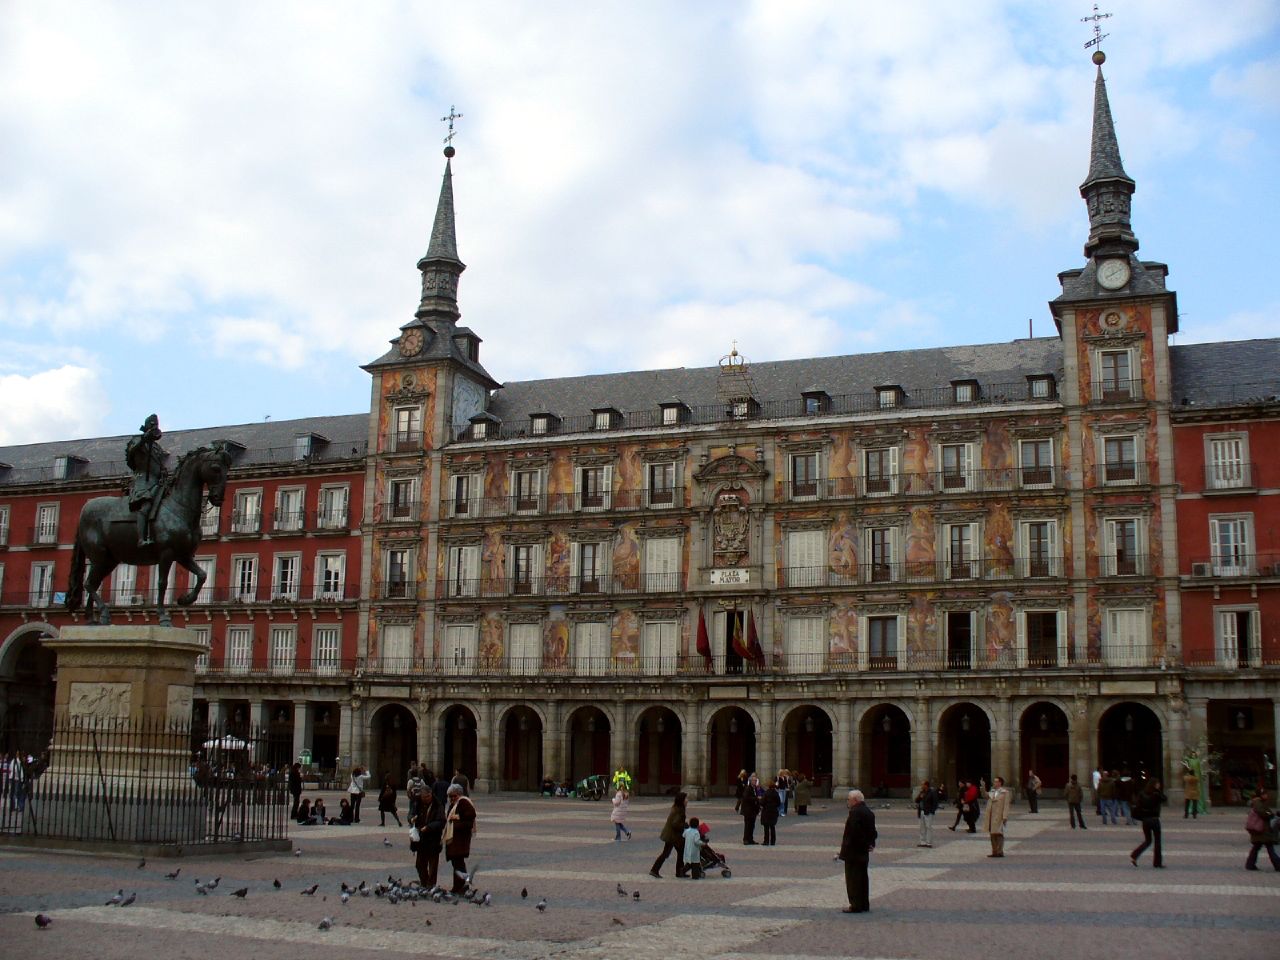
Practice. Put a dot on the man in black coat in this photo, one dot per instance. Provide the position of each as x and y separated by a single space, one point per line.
855 850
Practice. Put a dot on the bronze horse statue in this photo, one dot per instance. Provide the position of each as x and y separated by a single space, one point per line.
107 534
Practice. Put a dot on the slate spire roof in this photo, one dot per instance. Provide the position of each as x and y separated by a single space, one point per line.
1104 155
1107 189
440 266
444 240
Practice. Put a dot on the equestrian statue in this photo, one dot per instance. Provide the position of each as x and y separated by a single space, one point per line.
156 523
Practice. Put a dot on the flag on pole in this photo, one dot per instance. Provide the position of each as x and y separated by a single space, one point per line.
739 643
704 642
753 640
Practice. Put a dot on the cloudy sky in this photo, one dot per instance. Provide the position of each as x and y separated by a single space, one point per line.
214 210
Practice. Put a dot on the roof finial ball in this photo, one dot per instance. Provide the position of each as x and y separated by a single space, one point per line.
449 151
1098 57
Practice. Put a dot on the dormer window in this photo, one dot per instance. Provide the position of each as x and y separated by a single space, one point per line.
541 423
743 408
816 402
964 391
674 413
305 445
468 345
66 467
1041 387
605 418
484 426
889 397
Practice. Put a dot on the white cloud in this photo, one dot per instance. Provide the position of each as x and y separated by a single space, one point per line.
262 341
1256 83
67 401
1243 325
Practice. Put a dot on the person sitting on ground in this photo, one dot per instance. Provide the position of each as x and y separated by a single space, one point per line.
346 815
318 812
305 816
548 787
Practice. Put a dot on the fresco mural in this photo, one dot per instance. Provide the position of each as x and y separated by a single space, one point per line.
496 478
560 474
841 463
628 471
555 639
842 547
492 647
998 451
1000 539
844 630
559 549
626 557
493 558
917 458
625 637
1002 629
922 625
920 551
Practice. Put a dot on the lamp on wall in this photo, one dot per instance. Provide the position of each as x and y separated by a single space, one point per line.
282 716
524 723
1044 721
733 724
395 721
462 722
591 724
965 723
661 725
1241 720
808 724
323 718
1128 723
886 724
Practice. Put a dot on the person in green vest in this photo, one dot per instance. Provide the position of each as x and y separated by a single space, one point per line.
621 780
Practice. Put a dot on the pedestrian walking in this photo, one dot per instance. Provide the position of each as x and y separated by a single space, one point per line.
672 837
1094 797
387 802
295 789
958 803
855 850
1074 794
972 805
693 844
750 809
1190 794
738 790
804 794
1262 824
359 777
430 822
997 814
784 789
770 810
1148 812
463 781
1107 797
459 826
1125 793
618 816
1033 791
926 807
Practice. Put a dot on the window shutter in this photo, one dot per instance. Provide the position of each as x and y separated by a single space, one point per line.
893 469
606 487
577 487
1021 640
1109 559
1228 640
1064 653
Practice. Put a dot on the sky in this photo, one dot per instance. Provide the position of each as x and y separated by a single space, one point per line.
214 211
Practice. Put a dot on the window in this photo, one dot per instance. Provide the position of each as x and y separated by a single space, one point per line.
244 579
396 575
539 424
42 584
210 517
324 650
1036 457
460 648
4 526
289 508
463 573
1122 558
302 446
239 649
526 568
202 636
961 538
603 419
882 643
589 576
408 428
662 564
1119 460
881 550
591 649
208 565
881 470
1040 388
2 598
480 430
1040 548
1229 541
284 649
959 627
285 581
1127 642
957 466
1238 637
659 648
524 648
47 523
397 647
402 499
804 476
331 574
805 645
1041 640
333 507
527 490
595 487
460 494
964 391
887 397
662 484
1228 465
740 409
670 416
806 558
1115 375
248 513
124 586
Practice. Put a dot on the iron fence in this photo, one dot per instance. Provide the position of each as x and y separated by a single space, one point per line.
140 782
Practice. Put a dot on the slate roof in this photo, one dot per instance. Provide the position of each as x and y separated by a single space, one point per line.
1104 153
1217 374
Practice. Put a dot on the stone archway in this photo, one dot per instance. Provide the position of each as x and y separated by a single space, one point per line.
1046 746
807 746
1130 736
522 749
964 741
27 688
659 761
588 737
886 751
731 746
394 734
458 743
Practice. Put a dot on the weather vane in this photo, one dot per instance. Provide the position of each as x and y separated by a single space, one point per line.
1096 20
455 115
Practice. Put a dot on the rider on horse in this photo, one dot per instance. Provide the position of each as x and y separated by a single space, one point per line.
146 460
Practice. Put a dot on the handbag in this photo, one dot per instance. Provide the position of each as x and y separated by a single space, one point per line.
1254 822
414 835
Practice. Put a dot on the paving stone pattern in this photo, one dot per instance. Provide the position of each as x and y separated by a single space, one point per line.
1057 894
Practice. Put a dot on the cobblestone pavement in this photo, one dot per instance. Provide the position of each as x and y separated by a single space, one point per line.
1057 894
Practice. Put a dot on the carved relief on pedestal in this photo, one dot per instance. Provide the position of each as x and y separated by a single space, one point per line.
178 704
100 701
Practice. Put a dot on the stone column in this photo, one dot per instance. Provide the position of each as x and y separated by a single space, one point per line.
217 716
1002 744
767 738
921 744
553 742
1197 722
302 729
844 760
693 754
486 775
622 741
1080 758
259 718
345 708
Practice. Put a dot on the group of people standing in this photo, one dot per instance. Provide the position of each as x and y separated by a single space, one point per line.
769 801
443 820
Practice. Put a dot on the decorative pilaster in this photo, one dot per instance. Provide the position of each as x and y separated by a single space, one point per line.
844 761
486 775
302 729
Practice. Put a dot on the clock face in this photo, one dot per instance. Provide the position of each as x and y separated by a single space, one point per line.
1113 274
411 343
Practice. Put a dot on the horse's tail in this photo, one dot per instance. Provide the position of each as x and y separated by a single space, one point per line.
75 589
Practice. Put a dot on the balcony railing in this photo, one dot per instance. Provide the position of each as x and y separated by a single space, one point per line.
536 586
924 484
221 667
1124 565
43 535
1225 566
246 522
397 511
1117 391
1223 477
329 520
397 590
403 441
1122 472
561 503
288 521
923 571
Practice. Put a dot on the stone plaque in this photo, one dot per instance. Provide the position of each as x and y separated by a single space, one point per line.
728 693
178 708
730 576
100 701
1147 687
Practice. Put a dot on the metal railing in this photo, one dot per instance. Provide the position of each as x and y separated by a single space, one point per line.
1118 391
324 667
1228 394
1122 472
1124 565
559 503
922 571
288 521
1233 566
115 781
465 587
397 511
245 522
1221 477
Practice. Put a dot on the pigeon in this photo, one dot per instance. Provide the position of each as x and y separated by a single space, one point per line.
345 888
141 864
174 875
129 899
326 923
621 892
276 883
486 900
636 896
202 890
541 905
297 853
43 922
428 921
618 923
387 843
346 897
241 893
115 901
524 893
311 890
213 884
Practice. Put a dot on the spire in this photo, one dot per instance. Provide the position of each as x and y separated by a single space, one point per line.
1107 188
441 267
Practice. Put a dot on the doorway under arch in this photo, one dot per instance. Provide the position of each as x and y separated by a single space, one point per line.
458 743
964 735
589 741
395 742
731 746
1129 735
27 686
659 761
807 746
522 749
886 751
1046 745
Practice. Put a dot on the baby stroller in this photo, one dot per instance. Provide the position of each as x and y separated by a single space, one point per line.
708 857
